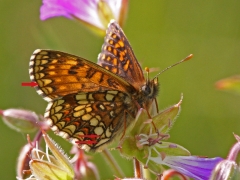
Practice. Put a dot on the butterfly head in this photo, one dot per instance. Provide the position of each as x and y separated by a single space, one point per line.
150 88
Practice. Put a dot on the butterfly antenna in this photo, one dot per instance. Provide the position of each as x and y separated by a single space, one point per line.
183 60
147 70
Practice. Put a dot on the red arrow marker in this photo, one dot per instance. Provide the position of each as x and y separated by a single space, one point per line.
32 84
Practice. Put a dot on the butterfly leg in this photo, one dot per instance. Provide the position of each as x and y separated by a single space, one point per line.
156 103
150 117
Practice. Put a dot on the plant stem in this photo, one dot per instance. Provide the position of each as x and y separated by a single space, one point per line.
137 169
113 163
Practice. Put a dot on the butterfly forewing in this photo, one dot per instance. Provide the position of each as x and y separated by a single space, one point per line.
117 56
58 74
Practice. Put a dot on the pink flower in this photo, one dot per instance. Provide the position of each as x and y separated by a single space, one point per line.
96 13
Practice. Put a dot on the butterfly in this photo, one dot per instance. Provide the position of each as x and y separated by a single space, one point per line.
92 103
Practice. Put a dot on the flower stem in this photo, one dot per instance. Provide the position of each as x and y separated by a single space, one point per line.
113 163
137 169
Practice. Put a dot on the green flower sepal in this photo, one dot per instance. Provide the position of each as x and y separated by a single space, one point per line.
56 166
146 140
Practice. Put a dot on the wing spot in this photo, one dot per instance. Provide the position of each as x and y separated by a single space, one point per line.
114 61
108 58
114 70
114 36
98 130
58 115
52 73
112 114
43 62
45 57
117 45
115 52
37 62
78 113
81 96
40 51
90 97
46 81
126 66
94 122
83 102
121 43
60 101
110 41
109 48
86 117
108 133
109 97
101 107
88 109
62 87
98 117
54 61
47 90
58 108
78 108
39 75
70 129
112 92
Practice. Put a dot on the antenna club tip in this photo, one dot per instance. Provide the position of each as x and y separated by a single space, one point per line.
146 69
188 57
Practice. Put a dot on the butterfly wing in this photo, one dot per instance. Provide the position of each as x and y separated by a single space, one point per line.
117 56
92 118
85 99
58 74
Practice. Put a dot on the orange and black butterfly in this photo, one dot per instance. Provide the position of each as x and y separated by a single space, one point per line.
92 103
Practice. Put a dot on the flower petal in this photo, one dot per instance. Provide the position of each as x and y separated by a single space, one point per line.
192 166
84 10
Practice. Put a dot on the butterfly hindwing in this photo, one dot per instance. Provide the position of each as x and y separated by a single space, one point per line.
79 116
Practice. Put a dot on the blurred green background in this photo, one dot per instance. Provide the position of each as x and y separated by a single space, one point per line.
161 33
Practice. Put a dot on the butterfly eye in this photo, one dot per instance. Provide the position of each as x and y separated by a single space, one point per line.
146 89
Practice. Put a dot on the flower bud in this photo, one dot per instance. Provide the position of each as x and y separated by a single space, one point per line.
22 120
55 166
